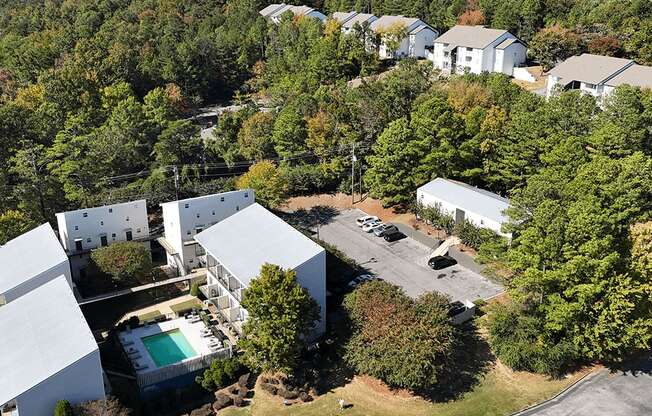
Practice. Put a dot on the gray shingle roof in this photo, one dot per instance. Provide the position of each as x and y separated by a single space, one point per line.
593 69
252 237
635 75
506 43
351 20
470 36
387 21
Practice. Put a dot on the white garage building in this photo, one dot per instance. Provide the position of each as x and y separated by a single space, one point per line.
31 260
465 202
237 248
47 352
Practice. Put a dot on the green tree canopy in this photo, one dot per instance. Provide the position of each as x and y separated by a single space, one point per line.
267 181
123 260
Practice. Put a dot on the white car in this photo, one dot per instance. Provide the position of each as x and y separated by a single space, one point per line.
370 226
366 219
361 279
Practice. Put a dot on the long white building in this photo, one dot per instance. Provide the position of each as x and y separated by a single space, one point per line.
236 249
477 49
348 20
186 218
465 202
85 229
47 352
274 12
29 261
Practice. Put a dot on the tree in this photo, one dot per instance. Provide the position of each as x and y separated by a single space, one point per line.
267 181
63 408
404 342
255 136
281 316
289 133
395 157
554 44
471 18
641 240
392 37
123 260
103 407
12 224
220 374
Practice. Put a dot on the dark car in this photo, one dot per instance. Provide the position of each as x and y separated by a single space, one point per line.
386 229
396 235
441 262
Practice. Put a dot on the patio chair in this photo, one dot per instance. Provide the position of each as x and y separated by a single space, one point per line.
126 343
135 357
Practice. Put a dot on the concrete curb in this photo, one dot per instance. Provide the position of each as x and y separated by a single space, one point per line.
557 397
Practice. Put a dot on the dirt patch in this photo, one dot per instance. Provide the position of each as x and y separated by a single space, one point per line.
381 388
342 201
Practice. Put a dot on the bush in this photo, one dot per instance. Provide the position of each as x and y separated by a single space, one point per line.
310 179
194 289
123 260
104 407
493 249
63 408
516 338
220 374
474 236
433 215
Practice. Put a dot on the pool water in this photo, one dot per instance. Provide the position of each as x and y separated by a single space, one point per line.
168 347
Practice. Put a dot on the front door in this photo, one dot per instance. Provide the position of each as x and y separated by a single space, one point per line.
459 216
129 235
78 245
103 241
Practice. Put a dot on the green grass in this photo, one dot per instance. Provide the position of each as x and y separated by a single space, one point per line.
185 306
149 316
500 392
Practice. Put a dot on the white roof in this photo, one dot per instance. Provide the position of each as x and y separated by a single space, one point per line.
29 255
267 11
43 332
141 202
211 196
245 241
468 198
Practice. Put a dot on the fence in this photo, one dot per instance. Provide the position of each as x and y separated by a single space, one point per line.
179 369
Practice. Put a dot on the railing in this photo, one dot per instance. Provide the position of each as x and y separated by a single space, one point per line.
179 369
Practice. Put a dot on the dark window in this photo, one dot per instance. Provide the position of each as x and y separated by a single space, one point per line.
78 245
101 222
103 241
110 210
246 194
113 235
88 240
127 219
187 205
85 214
129 235
198 215
76 228
221 199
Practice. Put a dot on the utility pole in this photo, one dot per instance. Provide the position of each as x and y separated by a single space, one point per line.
176 180
353 159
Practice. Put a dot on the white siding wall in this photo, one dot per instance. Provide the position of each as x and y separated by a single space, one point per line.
419 41
438 59
111 220
182 219
81 381
514 56
312 276
479 220
61 269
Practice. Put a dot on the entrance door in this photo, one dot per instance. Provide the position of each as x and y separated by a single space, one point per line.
459 216
103 241
78 245
129 235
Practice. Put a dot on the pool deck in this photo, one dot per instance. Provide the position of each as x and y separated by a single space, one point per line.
191 331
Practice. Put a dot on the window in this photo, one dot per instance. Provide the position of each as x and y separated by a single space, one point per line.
113 235
138 230
78 245
127 219
221 199
237 208
186 205
85 214
103 241
198 215
76 228
468 58
246 194
213 212
188 232
199 230
110 210
469 49
129 235
88 240
590 86
101 222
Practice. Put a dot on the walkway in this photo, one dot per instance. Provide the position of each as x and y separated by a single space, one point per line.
141 288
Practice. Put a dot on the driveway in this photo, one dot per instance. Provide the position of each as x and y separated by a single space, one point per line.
622 392
403 262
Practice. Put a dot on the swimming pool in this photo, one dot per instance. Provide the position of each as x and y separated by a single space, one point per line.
168 347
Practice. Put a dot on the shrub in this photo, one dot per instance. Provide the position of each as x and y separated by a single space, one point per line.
63 408
123 260
493 249
435 216
194 289
220 374
474 236
104 407
516 338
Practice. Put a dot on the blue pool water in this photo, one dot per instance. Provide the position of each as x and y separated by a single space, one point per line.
168 347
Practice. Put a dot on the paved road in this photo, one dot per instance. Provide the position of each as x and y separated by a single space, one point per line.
605 394
403 262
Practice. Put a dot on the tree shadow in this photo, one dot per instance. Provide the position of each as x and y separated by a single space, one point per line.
635 365
471 359
311 219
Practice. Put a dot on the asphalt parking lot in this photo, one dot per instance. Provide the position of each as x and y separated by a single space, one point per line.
403 262
608 393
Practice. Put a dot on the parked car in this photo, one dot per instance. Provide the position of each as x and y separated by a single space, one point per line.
385 229
366 219
393 236
370 226
441 262
361 279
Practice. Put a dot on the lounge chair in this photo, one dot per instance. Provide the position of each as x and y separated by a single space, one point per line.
134 357
139 366
126 343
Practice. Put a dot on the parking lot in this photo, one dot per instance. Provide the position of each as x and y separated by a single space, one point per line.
403 262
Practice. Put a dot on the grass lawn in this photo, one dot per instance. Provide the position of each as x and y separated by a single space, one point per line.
501 392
